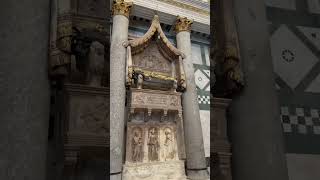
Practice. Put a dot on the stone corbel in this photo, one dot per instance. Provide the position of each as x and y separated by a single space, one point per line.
165 115
149 111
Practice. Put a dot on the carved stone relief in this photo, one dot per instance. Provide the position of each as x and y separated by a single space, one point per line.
153 144
88 114
155 100
169 151
93 118
151 59
137 145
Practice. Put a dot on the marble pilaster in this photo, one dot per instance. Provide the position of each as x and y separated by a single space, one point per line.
256 133
121 11
196 162
24 91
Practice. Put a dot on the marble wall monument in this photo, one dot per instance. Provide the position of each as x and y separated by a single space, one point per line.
79 48
155 139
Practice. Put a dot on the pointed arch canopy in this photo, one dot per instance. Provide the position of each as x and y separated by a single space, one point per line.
139 44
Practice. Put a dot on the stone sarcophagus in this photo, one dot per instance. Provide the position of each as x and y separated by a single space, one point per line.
155 146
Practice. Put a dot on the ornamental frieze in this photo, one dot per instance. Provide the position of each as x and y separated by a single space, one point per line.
154 100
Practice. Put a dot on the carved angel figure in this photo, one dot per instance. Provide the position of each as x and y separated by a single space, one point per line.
153 145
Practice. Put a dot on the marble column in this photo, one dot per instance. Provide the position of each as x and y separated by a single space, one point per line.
196 162
257 137
121 10
24 91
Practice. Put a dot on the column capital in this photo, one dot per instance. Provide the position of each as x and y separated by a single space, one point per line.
183 24
121 7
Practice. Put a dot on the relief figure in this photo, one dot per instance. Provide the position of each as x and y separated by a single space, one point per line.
137 152
168 150
153 145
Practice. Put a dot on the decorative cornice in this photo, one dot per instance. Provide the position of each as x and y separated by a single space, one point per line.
187 6
121 7
183 24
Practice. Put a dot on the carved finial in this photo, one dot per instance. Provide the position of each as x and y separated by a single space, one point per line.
156 18
183 24
121 7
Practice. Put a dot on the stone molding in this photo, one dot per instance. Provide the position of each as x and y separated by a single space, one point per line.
121 7
155 100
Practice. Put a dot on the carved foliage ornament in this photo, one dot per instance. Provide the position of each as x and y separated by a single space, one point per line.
183 24
121 7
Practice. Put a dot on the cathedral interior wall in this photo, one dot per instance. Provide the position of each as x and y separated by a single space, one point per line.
295 45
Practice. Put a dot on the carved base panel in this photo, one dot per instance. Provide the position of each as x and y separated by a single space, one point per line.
88 109
169 170
151 142
86 126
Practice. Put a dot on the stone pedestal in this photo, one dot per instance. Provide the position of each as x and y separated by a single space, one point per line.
24 91
220 145
196 162
256 133
121 11
170 170
152 150
86 129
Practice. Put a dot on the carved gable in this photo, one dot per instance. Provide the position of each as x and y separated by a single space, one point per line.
151 59
153 62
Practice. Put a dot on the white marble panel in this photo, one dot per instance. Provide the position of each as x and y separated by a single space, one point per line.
201 79
196 54
292 60
285 4
205 123
207 55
